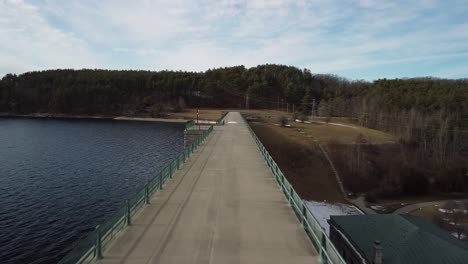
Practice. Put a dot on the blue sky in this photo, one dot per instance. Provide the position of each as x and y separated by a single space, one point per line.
358 39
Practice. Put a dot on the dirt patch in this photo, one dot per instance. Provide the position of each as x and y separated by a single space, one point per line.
361 166
301 161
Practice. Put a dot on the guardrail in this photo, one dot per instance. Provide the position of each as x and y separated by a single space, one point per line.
90 248
220 120
189 124
320 240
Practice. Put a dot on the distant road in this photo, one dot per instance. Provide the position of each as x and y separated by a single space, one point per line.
361 204
413 207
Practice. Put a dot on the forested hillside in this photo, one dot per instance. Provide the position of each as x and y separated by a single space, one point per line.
265 86
428 117
137 92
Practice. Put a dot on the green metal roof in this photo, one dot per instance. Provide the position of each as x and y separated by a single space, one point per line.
404 239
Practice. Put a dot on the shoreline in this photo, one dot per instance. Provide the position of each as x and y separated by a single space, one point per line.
116 118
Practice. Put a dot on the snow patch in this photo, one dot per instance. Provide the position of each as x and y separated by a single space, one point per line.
445 211
323 210
232 122
462 236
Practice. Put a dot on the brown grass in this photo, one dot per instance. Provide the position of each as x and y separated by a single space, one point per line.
301 161
319 130
298 144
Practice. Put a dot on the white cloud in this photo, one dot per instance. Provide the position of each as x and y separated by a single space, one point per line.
28 42
326 36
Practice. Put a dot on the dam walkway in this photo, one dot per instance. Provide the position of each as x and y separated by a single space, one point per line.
222 206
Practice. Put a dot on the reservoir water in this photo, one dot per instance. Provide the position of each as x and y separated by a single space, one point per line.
59 178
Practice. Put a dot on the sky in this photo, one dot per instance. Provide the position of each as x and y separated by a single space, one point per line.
357 39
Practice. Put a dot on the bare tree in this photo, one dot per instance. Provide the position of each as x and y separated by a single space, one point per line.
325 110
283 121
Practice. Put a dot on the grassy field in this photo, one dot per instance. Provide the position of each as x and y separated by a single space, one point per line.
296 149
301 161
338 129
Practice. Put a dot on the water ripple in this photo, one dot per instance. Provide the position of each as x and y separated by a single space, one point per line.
61 178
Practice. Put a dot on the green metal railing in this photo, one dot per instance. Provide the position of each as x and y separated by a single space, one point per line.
220 120
92 246
189 124
326 249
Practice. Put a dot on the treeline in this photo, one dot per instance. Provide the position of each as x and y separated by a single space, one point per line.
107 92
432 113
428 117
264 86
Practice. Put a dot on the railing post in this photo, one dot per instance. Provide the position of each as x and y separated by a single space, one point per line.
170 170
283 188
128 216
161 180
147 193
323 247
290 196
98 247
304 215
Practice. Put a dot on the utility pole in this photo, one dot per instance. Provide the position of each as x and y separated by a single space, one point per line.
247 101
313 108
198 112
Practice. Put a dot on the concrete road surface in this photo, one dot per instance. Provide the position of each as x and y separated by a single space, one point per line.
223 206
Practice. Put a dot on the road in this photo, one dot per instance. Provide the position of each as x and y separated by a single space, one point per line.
416 206
360 203
223 206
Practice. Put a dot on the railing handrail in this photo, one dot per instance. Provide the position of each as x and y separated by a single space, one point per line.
90 248
220 120
320 240
189 124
